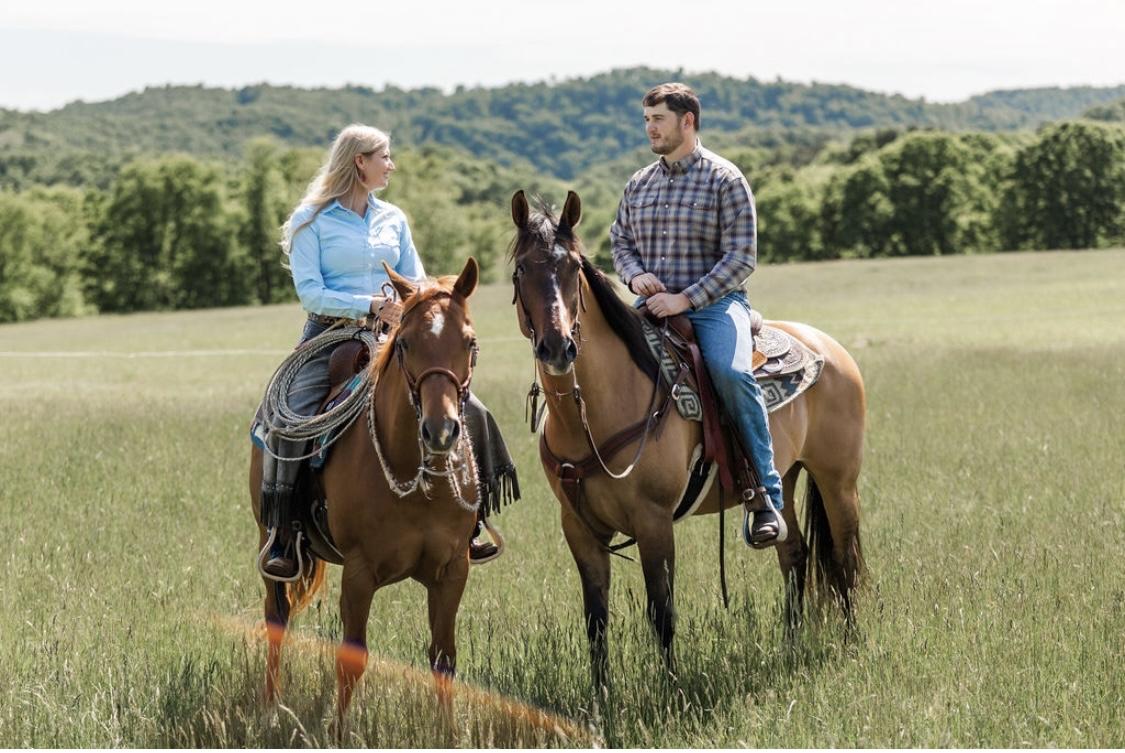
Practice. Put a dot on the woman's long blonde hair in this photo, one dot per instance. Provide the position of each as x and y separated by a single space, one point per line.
338 177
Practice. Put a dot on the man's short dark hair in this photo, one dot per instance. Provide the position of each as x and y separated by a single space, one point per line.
678 97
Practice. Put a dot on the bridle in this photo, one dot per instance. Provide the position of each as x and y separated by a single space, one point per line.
532 408
414 383
467 467
517 300
570 472
533 411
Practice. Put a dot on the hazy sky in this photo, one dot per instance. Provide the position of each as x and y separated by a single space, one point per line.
56 51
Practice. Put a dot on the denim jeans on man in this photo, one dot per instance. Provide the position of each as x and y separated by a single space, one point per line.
723 331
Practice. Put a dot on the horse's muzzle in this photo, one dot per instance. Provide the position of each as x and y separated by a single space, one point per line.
557 354
440 434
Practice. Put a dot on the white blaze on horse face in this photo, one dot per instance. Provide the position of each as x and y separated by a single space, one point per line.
558 255
437 324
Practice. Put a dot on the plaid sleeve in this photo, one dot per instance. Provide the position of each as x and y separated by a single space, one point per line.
626 258
738 244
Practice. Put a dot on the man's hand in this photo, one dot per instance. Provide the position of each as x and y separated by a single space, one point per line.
668 304
646 284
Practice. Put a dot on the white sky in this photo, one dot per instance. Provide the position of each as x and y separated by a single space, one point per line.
56 51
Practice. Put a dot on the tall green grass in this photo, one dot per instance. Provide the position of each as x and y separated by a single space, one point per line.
993 524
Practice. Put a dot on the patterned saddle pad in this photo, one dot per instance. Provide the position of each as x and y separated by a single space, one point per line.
789 368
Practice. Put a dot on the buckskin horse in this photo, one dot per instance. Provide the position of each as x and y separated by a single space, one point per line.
401 485
598 378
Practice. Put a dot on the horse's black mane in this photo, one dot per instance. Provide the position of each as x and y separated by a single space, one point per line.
542 232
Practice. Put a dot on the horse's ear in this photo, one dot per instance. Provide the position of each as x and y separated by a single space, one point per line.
405 287
520 209
572 210
467 280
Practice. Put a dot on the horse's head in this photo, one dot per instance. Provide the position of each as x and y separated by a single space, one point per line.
436 348
548 282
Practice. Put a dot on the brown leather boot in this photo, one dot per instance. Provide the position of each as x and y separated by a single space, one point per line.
482 551
280 561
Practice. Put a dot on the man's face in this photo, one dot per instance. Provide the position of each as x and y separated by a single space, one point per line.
664 129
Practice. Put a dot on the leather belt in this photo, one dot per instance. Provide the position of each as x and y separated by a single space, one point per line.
330 320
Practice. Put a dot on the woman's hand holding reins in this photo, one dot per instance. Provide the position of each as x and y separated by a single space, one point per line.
386 310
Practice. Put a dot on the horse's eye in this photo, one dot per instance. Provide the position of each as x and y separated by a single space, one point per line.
519 270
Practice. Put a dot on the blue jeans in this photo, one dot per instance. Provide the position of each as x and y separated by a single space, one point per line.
725 339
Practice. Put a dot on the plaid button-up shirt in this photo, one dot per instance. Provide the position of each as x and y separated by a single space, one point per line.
691 223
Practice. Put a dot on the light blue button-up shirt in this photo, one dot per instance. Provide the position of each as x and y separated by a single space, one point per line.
337 259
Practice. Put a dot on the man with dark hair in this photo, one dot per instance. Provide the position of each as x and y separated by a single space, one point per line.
685 239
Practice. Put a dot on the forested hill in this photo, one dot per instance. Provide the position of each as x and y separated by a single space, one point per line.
559 128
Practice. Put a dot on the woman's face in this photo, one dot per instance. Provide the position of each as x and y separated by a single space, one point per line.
375 168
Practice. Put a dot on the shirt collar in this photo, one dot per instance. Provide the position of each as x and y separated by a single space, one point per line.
371 202
681 166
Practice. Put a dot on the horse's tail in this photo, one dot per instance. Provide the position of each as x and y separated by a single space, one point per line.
302 590
830 577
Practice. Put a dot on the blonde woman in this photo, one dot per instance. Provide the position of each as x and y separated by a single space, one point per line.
337 240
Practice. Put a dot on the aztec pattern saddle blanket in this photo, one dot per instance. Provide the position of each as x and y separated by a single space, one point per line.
784 367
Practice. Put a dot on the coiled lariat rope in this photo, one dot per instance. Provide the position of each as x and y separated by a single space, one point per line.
282 422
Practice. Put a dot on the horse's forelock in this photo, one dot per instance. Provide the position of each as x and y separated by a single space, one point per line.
543 232
428 290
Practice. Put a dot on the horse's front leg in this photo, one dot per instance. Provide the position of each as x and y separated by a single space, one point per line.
444 601
657 545
357 586
592 560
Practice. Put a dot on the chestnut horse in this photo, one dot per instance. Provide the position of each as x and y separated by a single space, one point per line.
402 487
589 343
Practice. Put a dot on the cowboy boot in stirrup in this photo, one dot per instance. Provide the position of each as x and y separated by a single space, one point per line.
481 551
280 561
768 527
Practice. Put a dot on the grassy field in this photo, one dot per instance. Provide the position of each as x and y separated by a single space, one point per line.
993 525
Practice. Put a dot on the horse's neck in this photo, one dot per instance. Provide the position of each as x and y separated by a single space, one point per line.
615 391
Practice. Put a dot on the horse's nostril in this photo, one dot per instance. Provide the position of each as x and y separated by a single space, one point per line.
426 436
571 350
541 351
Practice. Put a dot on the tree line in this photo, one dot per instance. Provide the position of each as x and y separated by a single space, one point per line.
561 128
177 231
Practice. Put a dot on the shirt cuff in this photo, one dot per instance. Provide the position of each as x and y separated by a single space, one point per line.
362 305
630 273
698 296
